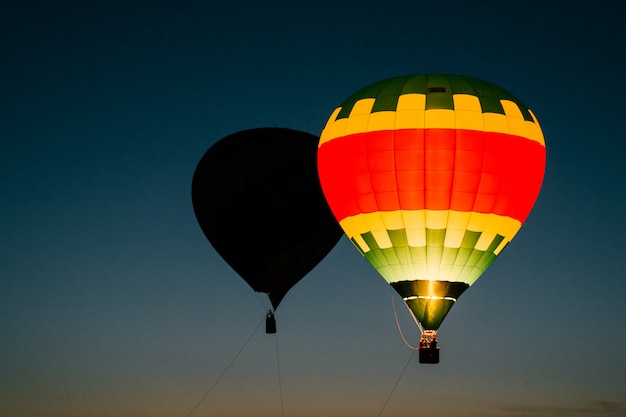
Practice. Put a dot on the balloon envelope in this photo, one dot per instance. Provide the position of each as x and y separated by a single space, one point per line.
257 198
431 176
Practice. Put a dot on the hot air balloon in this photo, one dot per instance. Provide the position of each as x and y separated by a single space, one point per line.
431 176
257 197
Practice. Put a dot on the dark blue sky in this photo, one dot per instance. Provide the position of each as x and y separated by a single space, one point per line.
112 302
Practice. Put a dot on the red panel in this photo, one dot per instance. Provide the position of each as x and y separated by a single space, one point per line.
435 169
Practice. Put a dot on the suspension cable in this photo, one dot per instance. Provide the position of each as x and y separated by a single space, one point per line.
225 370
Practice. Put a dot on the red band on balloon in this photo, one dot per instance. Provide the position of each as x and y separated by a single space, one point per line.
435 169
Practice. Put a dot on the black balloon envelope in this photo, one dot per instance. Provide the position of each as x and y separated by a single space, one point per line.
257 197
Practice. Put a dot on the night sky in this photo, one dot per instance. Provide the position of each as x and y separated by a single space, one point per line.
113 303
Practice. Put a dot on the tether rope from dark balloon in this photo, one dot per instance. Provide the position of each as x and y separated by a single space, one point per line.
280 386
406 365
206 394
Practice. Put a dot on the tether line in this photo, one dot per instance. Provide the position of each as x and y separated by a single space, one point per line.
225 370
406 365
280 387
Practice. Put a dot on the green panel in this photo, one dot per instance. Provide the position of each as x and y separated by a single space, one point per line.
370 91
385 103
491 105
433 255
460 85
473 274
463 256
415 84
435 237
390 256
485 90
418 254
456 272
369 239
346 108
398 238
376 258
449 255
393 87
474 257
404 255
439 100
438 80
436 99
495 243
469 239
486 260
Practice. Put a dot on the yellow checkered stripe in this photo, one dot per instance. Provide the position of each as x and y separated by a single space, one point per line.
411 113
433 245
455 223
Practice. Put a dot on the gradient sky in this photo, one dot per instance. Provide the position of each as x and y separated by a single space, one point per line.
113 303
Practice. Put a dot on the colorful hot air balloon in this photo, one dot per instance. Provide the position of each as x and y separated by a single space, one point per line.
257 198
431 176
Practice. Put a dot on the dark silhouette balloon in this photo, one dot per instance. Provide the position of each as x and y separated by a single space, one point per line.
257 197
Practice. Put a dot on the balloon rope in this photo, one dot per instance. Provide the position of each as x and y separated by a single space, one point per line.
395 313
280 387
225 370
396 384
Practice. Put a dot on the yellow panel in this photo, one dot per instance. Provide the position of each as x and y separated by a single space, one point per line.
411 102
363 106
382 120
517 127
436 219
495 122
375 222
469 120
505 226
484 241
511 109
535 130
416 237
477 222
361 242
328 129
333 116
458 220
517 124
439 118
393 220
355 225
501 246
382 238
357 124
466 102
453 238
415 219
333 130
410 119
